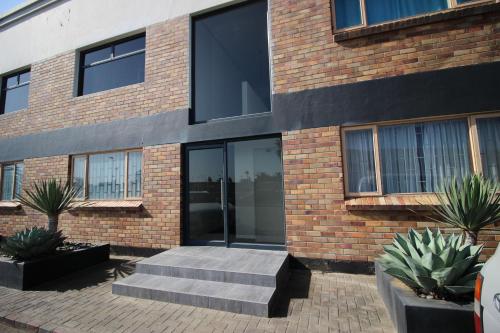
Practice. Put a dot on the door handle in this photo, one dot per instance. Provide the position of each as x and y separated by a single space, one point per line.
222 194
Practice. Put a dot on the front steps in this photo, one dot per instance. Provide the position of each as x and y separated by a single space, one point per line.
235 280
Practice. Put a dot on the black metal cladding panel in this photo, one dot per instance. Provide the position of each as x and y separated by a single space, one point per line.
444 92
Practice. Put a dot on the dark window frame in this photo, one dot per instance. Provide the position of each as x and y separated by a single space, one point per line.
192 52
112 57
5 88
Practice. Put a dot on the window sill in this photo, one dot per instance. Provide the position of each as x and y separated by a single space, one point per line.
450 14
421 202
116 90
10 205
13 113
107 204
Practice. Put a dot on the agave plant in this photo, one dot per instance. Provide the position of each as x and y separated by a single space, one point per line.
50 197
432 264
31 243
469 205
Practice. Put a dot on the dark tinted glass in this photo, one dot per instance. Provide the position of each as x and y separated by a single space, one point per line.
130 46
378 11
16 99
255 191
113 74
24 77
97 55
347 13
231 62
206 217
11 81
15 92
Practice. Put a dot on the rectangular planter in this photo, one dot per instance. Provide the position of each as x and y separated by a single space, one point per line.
26 274
412 314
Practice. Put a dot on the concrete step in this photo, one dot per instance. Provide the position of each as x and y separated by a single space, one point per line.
243 266
232 297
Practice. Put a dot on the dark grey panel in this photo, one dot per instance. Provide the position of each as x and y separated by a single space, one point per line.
451 91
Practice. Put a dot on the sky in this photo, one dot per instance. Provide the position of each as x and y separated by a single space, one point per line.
6 5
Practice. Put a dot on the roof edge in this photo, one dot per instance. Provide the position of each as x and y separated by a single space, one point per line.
23 10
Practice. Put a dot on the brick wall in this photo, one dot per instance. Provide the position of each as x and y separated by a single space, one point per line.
52 100
306 57
157 225
318 225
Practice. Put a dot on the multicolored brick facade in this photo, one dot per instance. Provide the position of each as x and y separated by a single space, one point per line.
321 222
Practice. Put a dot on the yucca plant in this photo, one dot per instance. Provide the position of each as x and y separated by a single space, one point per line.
31 243
432 264
470 205
50 197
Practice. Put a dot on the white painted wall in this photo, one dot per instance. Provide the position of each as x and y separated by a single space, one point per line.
73 24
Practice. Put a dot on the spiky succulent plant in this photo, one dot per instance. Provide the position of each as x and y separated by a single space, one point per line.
31 243
433 264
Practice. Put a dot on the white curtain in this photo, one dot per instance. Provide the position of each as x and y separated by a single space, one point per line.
422 157
7 182
19 178
360 161
489 146
446 152
386 10
79 174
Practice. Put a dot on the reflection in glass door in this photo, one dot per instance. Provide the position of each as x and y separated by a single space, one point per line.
205 195
255 192
235 194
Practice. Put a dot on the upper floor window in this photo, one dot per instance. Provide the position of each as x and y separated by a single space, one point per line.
111 176
419 157
359 13
231 62
113 65
15 91
11 180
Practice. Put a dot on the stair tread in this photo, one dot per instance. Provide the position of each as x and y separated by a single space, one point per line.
203 288
255 262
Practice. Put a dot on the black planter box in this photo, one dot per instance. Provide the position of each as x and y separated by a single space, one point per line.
26 274
412 314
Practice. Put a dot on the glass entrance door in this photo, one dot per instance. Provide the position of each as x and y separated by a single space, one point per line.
235 194
205 202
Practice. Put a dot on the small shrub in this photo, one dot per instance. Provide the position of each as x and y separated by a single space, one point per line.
50 197
31 243
432 264
470 205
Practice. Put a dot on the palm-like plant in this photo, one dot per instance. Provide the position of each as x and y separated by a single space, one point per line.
50 197
469 205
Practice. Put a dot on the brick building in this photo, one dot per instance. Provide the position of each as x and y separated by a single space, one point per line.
311 125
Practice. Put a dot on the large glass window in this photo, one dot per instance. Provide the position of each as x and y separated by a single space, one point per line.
12 180
488 130
111 66
354 13
15 92
231 62
422 157
109 176
414 157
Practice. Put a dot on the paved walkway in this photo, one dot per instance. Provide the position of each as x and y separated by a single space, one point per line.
83 302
